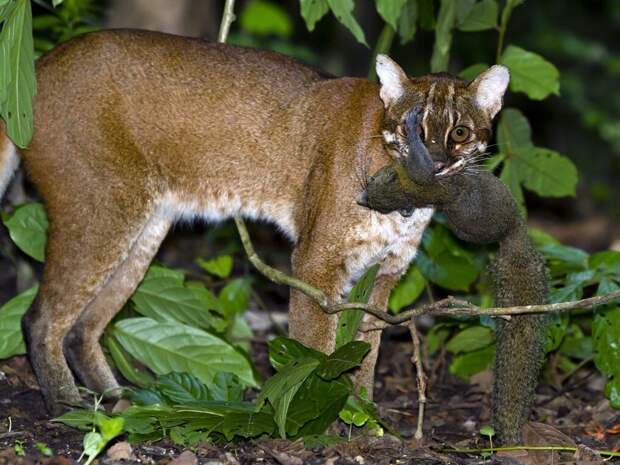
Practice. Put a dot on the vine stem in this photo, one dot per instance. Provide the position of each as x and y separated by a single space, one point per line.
420 377
446 307
227 19
607 453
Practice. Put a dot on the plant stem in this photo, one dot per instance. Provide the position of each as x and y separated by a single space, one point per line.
446 307
227 19
420 377
506 12
607 453
383 45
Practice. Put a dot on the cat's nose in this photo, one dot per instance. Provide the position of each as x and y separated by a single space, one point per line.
362 198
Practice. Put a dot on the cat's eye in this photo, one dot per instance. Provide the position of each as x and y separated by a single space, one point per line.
460 134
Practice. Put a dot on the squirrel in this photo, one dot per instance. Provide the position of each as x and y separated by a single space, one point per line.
479 209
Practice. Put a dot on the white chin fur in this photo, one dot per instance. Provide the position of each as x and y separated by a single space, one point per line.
9 161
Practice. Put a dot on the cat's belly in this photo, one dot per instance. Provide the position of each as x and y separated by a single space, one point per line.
391 240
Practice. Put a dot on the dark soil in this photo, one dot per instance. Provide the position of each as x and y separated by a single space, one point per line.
574 413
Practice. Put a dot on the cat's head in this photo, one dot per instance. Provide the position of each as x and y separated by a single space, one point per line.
457 115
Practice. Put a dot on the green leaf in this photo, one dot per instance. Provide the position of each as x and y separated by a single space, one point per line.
167 347
182 388
443 36
612 391
510 177
17 73
407 24
481 16
349 321
79 419
471 72
447 270
514 134
281 388
407 290
265 18
607 262
11 340
220 266
55 3
547 173
487 430
27 227
316 405
137 376
426 13
530 73
283 350
343 10
312 11
470 363
606 341
235 296
343 359
390 11
164 297
471 339
109 427
93 444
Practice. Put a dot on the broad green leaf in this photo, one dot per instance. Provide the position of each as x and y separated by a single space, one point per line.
312 11
109 427
247 425
530 73
607 262
514 134
448 271
282 387
265 18
166 299
510 177
11 340
471 72
407 290
283 350
443 36
55 3
612 391
470 363
159 271
606 341
27 227
235 296
481 16
79 419
343 359
343 10
407 24
349 321
555 331
426 13
390 11
564 259
167 347
547 173
470 339
182 388
137 376
17 73
226 387
436 337
220 266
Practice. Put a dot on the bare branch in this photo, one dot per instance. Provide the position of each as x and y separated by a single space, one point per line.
227 19
446 307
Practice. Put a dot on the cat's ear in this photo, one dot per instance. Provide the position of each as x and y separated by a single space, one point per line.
489 88
393 79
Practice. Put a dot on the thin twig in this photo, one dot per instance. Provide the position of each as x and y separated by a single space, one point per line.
227 19
420 377
446 307
607 453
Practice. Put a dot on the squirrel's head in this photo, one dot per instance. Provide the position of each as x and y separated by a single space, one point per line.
457 115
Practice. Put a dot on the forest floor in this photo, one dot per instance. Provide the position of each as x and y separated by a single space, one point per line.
574 413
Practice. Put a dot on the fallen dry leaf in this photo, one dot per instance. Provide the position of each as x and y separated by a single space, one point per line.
595 430
614 429
186 458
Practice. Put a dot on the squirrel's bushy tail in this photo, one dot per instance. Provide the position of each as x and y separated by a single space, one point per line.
9 160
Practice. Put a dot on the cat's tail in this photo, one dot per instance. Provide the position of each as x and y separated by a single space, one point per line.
9 160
